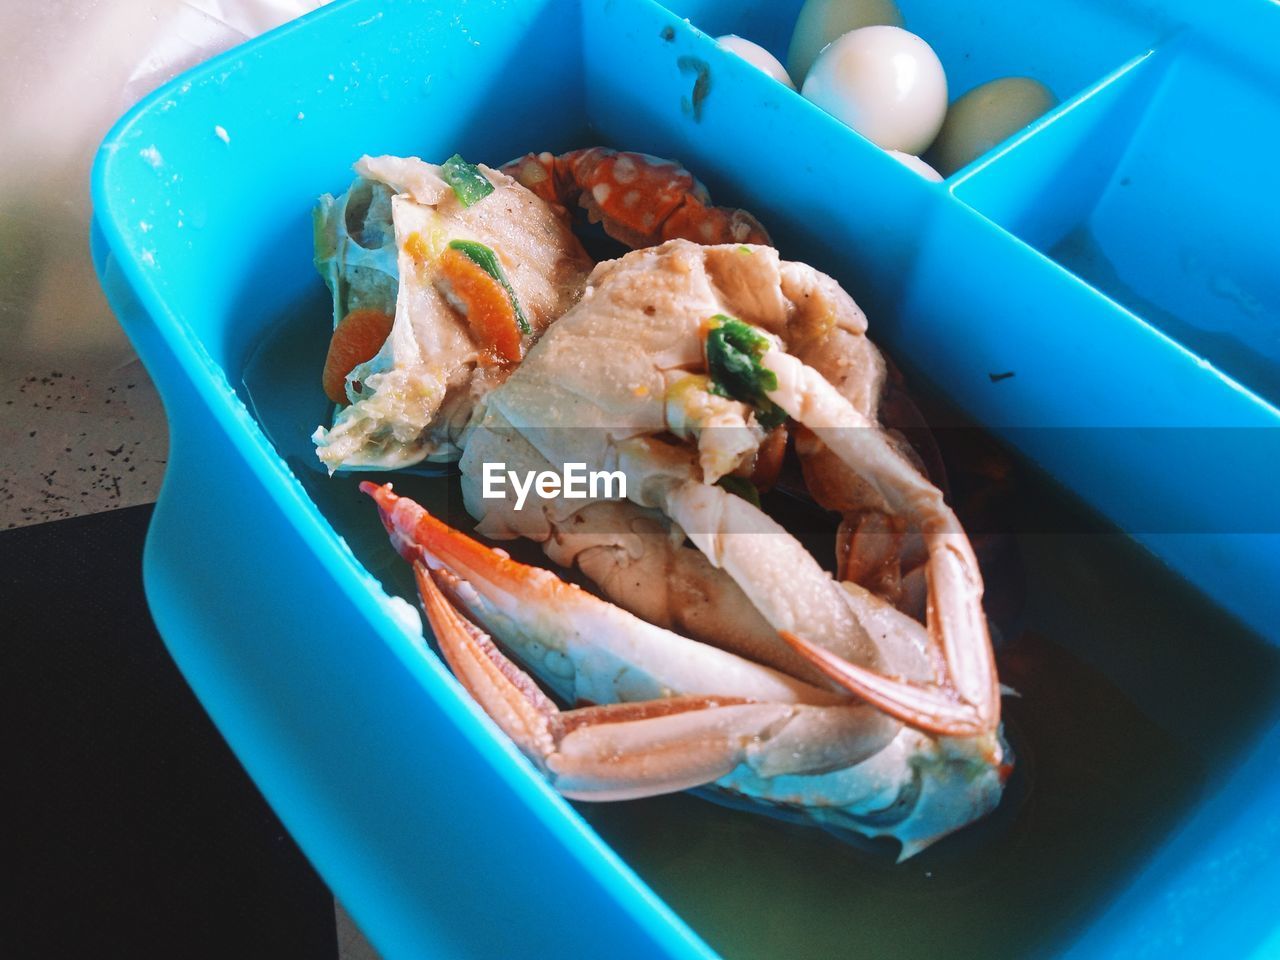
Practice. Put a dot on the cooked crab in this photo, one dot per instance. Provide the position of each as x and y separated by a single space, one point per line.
442 276
737 662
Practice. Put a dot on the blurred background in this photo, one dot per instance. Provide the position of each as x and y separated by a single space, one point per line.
83 430
72 388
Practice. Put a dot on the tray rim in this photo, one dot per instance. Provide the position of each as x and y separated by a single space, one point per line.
207 379
201 374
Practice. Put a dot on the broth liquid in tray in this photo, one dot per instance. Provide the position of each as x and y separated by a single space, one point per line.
1134 696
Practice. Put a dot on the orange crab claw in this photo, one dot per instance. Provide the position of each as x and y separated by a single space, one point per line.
420 537
964 699
615 751
927 707
640 200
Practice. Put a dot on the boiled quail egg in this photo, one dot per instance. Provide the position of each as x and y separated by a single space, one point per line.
916 164
757 56
987 115
885 83
821 21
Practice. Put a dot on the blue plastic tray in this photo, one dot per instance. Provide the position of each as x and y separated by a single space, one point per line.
1117 257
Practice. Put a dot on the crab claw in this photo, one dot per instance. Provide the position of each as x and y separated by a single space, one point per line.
673 713
929 707
964 698
616 751
584 647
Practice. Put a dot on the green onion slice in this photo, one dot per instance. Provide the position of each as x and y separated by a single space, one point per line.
734 352
468 183
487 260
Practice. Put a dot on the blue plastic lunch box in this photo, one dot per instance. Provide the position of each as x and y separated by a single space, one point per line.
1118 257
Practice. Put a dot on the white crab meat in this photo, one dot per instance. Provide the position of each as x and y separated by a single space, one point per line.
376 246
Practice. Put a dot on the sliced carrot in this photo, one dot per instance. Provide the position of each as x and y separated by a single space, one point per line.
417 248
356 338
490 314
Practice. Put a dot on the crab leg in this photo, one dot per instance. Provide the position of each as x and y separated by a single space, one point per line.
930 707
696 713
585 648
965 701
616 751
785 583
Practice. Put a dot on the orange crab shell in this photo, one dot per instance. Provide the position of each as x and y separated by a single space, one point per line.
640 200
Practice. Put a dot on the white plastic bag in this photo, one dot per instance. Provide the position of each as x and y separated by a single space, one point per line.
71 68
84 430
194 30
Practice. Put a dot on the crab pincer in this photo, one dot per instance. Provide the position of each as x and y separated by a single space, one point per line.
652 725
964 698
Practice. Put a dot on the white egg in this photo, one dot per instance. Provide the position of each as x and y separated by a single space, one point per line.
916 164
757 56
821 21
885 83
987 115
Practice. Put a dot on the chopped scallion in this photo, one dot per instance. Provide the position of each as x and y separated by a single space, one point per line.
468 183
487 260
734 352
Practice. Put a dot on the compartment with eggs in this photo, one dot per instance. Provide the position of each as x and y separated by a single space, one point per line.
938 84
1157 190
1118 412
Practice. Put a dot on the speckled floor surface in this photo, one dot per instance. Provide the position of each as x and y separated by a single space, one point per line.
78 443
